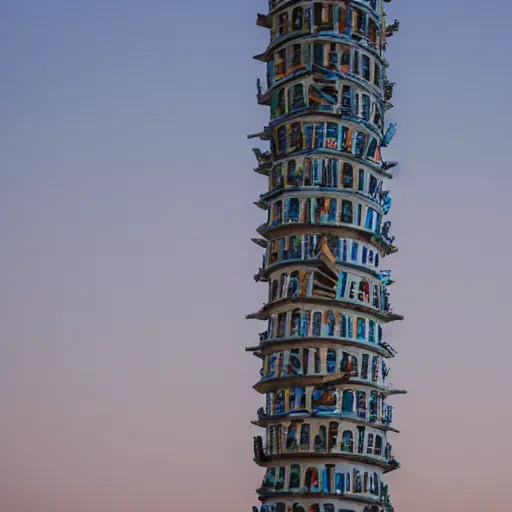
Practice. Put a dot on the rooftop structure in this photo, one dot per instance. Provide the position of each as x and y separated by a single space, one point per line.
324 357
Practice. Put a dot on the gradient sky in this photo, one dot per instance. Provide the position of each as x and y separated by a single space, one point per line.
126 264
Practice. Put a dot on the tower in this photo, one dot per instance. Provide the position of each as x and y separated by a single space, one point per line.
324 356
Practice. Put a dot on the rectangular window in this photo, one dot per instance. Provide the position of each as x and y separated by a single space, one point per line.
359 214
365 255
371 334
332 136
319 135
365 67
319 54
360 184
355 251
361 329
364 366
308 135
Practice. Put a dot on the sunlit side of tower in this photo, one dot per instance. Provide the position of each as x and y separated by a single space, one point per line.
324 358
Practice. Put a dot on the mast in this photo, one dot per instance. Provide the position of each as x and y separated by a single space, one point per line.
324 376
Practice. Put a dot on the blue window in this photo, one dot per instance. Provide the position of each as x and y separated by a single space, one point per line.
355 251
365 255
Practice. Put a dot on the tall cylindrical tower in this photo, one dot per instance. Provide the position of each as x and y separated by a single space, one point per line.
324 359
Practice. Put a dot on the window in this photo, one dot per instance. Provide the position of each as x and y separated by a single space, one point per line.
291 440
360 144
357 481
319 135
377 75
355 250
295 477
280 64
361 329
294 286
312 480
355 67
332 173
348 176
332 136
365 67
346 99
376 295
296 56
373 185
346 211
360 183
371 334
365 255
333 435
298 97
333 208
298 18
366 107
345 60
317 323
364 291
291 176
281 139
318 54
295 137
347 405
347 442
281 325
282 23
331 361
364 366
361 404
331 326
304 437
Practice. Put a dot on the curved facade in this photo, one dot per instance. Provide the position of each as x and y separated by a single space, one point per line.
324 360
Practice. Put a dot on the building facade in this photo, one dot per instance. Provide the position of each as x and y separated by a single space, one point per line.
324 356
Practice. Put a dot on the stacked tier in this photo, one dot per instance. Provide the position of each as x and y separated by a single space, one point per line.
324 372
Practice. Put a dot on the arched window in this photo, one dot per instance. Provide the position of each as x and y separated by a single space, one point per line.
348 401
294 286
333 435
348 176
317 323
331 324
378 446
295 477
312 481
284 286
277 107
321 439
352 293
347 442
292 210
281 325
364 291
282 23
361 329
317 361
304 437
375 368
295 325
346 211
291 439
297 18
376 295
331 361
295 363
304 324
361 404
